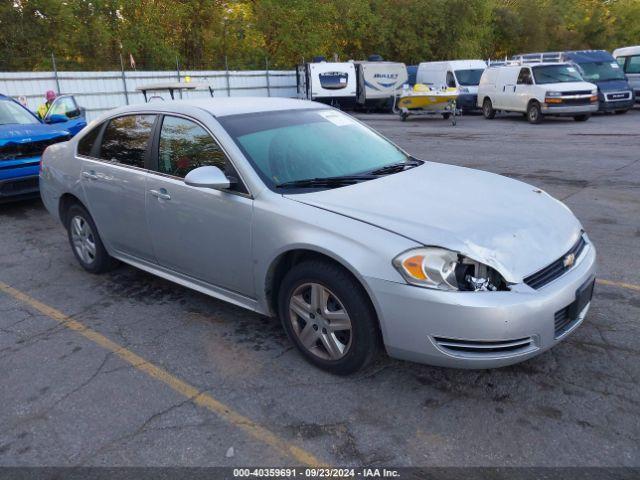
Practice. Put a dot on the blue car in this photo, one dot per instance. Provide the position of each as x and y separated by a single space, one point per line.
596 66
23 138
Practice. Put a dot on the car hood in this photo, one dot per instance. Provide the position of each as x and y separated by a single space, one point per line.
19 134
513 227
568 86
613 85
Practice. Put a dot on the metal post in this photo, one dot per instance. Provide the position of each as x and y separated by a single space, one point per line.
55 72
266 62
178 72
124 80
226 68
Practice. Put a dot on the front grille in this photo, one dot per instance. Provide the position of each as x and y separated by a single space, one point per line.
576 101
618 96
566 318
562 321
579 92
16 151
556 269
482 347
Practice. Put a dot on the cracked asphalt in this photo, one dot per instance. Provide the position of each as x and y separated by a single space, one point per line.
66 400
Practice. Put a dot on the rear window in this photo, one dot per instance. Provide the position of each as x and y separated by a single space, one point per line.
126 139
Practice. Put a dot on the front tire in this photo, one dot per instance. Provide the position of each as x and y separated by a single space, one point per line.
487 109
328 316
581 118
534 113
85 241
621 112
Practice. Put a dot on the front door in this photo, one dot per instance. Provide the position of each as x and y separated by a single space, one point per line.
67 106
114 184
523 93
199 232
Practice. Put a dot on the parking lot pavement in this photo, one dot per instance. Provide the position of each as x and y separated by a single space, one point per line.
128 369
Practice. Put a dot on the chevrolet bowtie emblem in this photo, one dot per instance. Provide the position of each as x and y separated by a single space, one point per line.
569 260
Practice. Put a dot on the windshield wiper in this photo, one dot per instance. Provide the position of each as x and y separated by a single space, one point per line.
397 167
325 182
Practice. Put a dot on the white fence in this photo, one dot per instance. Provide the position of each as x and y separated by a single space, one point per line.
101 91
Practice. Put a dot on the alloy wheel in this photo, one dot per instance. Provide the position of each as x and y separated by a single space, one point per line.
320 321
83 239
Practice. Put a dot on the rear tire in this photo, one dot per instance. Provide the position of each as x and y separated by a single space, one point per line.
581 118
487 109
534 113
328 317
85 241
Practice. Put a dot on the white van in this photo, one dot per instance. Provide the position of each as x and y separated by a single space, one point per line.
461 74
629 60
537 90
378 82
333 83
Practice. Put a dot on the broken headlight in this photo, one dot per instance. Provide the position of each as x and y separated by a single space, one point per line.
442 269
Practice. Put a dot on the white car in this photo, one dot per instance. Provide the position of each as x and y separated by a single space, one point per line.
537 90
461 74
629 60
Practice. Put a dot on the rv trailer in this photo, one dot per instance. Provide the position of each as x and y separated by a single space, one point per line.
333 83
378 83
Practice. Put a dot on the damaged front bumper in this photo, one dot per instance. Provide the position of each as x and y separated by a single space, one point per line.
481 329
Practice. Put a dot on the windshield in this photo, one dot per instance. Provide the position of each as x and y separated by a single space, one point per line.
601 71
12 113
469 77
296 145
556 74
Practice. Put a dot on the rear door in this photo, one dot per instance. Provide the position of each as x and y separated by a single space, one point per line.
113 179
199 232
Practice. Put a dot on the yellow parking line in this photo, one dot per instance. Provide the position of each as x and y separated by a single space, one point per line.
611 283
200 398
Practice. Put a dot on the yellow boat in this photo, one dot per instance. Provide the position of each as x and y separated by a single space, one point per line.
423 99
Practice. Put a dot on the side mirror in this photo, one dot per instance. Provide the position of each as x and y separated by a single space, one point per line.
56 118
207 177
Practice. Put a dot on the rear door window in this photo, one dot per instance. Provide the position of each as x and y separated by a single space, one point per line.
126 139
86 143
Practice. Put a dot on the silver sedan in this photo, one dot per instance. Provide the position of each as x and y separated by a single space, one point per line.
293 209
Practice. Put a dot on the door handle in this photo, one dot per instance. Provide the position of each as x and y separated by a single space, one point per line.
162 193
90 175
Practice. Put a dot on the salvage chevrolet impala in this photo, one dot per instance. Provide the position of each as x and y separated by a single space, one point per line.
293 209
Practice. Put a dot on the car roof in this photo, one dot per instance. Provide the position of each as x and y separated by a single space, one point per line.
633 50
225 106
588 55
